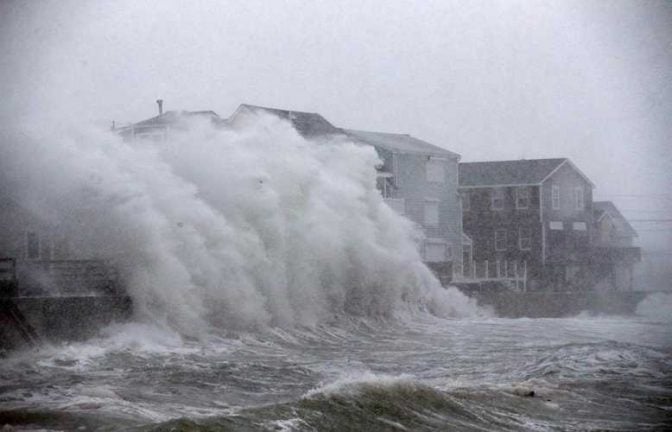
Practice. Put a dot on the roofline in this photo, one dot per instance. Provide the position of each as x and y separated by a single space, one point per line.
498 185
585 177
251 106
441 152
604 214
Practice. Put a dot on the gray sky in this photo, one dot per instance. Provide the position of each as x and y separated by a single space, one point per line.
589 80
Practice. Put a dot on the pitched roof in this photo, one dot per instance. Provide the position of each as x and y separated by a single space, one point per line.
169 118
306 123
402 143
604 208
514 172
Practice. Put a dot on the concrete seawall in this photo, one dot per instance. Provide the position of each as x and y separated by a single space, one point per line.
553 304
58 318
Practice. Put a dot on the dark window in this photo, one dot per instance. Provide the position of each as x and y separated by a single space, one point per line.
500 239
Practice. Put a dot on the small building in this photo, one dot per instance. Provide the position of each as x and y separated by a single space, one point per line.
614 254
529 218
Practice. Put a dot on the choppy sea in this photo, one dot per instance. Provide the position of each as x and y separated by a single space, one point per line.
586 373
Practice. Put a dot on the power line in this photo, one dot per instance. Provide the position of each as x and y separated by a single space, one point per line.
649 220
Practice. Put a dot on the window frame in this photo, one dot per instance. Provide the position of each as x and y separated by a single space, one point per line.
519 197
579 199
503 239
555 197
437 203
561 226
521 238
495 195
579 226
435 162
435 243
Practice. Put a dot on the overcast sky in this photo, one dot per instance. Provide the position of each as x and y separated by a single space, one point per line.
588 80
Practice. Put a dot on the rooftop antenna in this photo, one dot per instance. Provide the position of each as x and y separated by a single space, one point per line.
159 102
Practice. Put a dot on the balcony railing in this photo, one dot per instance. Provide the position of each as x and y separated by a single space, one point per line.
513 273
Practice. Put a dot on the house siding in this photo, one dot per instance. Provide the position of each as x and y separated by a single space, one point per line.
409 172
481 221
568 244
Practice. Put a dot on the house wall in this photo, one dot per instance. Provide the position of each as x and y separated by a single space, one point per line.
569 244
480 221
607 234
411 184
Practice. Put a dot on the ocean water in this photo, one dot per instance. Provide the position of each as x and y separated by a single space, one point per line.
419 373
274 290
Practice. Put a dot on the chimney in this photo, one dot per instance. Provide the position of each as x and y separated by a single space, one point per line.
159 102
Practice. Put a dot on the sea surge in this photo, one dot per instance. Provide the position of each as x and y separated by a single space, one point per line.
216 229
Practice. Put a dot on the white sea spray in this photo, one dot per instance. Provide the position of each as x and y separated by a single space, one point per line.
229 229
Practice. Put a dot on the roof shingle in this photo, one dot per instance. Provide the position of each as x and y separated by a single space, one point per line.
514 172
621 223
403 143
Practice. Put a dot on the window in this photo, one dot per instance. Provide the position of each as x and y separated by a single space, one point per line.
579 226
522 198
435 251
466 201
500 239
32 245
497 199
555 197
435 170
578 198
524 238
431 212
556 225
384 184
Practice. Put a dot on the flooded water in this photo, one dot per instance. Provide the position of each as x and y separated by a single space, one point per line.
283 294
415 373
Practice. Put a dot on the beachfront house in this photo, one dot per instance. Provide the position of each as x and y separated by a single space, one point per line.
528 218
614 254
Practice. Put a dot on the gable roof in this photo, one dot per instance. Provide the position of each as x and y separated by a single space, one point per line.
512 173
306 123
169 118
401 143
608 209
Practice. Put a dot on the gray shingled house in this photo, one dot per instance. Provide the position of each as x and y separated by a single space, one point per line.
419 180
528 216
537 217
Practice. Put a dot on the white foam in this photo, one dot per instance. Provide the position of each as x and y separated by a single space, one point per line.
352 382
656 307
226 230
